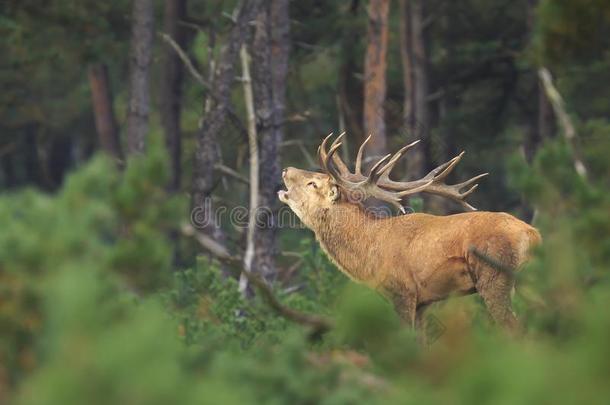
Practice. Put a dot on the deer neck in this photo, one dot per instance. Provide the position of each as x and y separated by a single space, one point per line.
346 234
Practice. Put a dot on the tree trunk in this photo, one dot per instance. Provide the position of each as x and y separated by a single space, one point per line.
406 56
420 122
542 124
447 104
563 120
270 47
171 87
105 121
350 89
140 59
375 75
207 149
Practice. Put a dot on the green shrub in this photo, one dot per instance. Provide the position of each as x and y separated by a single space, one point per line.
91 311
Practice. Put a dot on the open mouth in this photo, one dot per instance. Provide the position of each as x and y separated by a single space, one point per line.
283 195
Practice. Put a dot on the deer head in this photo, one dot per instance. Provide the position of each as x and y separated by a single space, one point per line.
308 192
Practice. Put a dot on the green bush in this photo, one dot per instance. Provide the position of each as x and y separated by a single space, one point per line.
91 311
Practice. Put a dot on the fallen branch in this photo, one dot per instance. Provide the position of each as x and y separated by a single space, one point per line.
318 324
209 244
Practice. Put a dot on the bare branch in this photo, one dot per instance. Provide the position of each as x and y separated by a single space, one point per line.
231 172
191 25
234 118
564 119
198 24
185 59
254 168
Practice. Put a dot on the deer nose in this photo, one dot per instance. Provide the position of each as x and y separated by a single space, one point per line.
284 172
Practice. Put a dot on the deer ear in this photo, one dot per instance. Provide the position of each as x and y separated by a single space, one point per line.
334 192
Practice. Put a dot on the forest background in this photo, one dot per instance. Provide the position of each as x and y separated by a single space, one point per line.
125 127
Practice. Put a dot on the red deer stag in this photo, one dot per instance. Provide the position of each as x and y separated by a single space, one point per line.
416 259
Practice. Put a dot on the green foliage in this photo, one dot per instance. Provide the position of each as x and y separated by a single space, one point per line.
103 346
574 215
205 303
102 221
63 36
569 203
208 306
88 311
569 30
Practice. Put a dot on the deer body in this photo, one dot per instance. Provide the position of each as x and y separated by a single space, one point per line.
413 259
430 256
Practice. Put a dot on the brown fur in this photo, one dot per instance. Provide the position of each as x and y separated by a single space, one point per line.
414 259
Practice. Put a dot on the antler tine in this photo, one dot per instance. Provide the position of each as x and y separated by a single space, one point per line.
467 183
320 158
470 190
334 172
337 139
467 206
332 150
441 171
342 167
358 168
375 173
415 190
387 169
471 181
452 163
322 151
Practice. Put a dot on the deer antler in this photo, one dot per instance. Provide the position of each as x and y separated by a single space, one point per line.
377 183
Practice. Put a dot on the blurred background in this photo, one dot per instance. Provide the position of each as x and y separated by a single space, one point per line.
125 127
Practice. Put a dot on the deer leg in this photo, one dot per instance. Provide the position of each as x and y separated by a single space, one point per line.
421 325
404 301
491 268
405 305
495 287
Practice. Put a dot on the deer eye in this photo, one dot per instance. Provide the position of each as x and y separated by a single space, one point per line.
312 184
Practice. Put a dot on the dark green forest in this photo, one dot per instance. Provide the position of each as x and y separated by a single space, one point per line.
134 136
